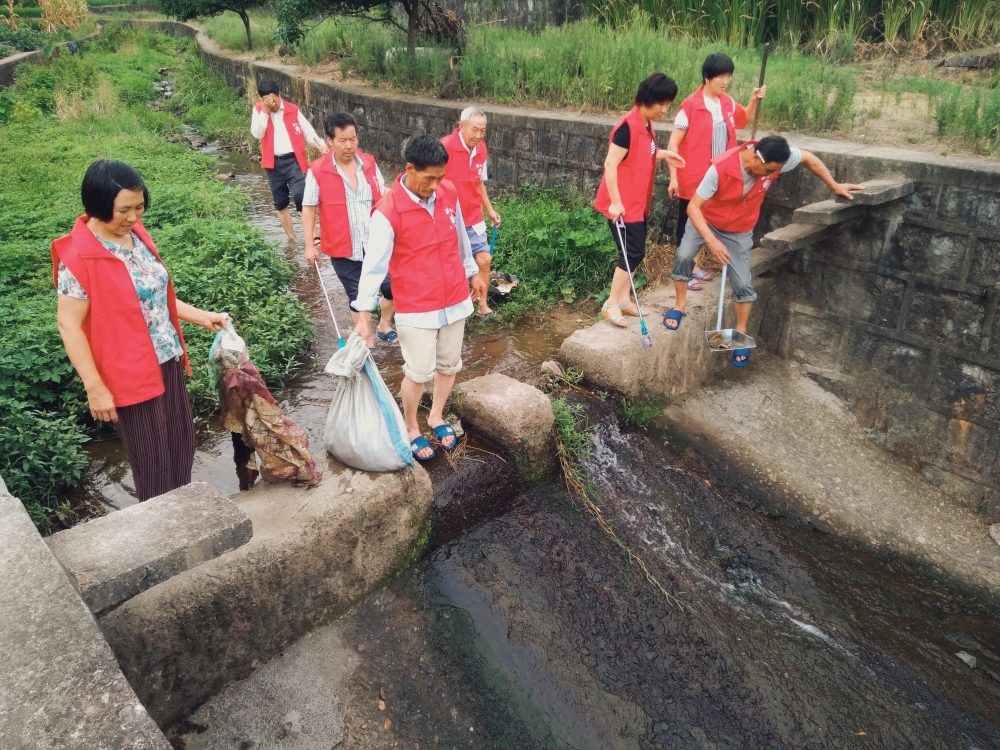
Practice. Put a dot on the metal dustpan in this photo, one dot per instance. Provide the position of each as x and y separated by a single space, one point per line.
726 339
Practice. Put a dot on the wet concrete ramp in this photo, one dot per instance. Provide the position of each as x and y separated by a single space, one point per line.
777 432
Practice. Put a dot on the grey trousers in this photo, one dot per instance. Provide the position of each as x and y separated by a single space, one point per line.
738 245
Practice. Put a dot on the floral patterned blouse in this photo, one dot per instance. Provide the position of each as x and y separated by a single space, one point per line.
150 279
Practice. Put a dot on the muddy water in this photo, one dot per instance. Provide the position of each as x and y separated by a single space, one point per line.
305 397
532 630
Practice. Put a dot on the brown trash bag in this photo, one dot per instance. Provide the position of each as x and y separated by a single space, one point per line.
250 410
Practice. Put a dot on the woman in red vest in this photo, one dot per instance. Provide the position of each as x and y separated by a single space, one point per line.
724 212
626 188
705 127
120 322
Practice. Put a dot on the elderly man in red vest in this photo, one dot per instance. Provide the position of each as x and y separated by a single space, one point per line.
723 213
418 236
283 132
342 189
467 171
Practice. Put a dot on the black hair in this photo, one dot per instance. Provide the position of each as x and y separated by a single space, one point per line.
268 87
424 151
715 65
774 148
102 183
656 89
339 120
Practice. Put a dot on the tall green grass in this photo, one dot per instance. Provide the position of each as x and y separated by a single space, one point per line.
819 22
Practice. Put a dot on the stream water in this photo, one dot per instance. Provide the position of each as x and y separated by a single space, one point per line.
533 630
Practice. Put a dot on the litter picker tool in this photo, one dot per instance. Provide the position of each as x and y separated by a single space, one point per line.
726 339
493 239
756 114
340 339
647 340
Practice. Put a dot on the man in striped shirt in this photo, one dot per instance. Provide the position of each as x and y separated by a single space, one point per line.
341 189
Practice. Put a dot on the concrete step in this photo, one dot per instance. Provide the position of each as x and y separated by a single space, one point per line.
828 212
792 237
764 259
115 557
877 192
60 686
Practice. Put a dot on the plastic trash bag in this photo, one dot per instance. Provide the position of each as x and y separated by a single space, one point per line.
364 429
249 410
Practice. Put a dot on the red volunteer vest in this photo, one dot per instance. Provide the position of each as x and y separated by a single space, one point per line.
115 327
696 148
635 172
295 135
466 176
728 210
334 223
425 269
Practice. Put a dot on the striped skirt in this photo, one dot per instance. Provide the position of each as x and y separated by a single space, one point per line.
158 435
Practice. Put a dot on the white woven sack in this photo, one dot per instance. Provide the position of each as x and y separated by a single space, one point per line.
364 429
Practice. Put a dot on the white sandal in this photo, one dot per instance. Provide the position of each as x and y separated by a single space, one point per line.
620 321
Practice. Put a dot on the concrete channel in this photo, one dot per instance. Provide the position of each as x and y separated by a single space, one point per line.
823 519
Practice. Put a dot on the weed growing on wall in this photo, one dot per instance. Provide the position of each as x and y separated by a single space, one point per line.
83 108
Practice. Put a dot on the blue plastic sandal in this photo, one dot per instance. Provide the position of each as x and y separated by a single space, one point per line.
740 353
418 444
441 432
673 315
391 338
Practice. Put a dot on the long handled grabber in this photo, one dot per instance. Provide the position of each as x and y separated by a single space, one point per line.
756 114
340 339
647 340
493 240
726 339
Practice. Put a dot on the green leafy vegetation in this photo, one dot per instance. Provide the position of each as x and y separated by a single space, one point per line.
638 411
68 113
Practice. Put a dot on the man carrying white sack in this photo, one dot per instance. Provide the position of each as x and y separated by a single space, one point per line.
417 236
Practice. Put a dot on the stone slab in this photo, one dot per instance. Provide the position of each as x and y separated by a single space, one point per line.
60 686
793 236
314 553
877 192
982 59
798 449
515 415
827 212
297 701
764 259
117 556
678 362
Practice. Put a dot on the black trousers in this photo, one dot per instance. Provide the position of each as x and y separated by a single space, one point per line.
286 177
634 235
682 218
158 436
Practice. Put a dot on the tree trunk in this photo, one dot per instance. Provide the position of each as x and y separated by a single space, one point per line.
413 18
246 25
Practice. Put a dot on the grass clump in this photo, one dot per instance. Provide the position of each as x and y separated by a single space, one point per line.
71 111
639 411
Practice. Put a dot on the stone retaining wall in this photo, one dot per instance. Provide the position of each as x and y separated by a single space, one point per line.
9 65
897 311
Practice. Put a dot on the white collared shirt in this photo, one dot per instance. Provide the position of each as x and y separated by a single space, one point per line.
359 204
381 238
282 143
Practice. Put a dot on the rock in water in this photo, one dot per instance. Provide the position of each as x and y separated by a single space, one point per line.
967 658
553 367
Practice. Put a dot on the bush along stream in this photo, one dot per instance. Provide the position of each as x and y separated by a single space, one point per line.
69 112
